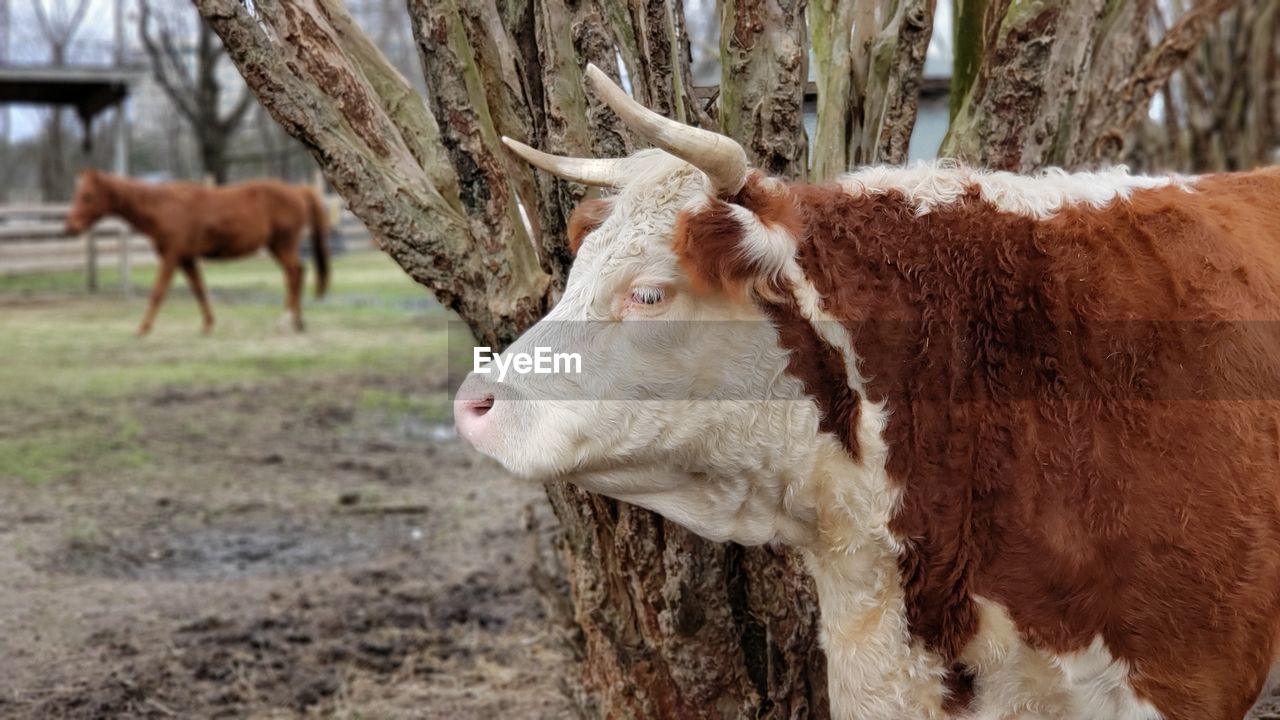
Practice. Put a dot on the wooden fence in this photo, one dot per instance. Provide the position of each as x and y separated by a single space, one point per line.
33 237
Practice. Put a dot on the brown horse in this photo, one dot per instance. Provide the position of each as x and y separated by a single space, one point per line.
187 222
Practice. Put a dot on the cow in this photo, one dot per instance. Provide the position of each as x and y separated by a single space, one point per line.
1023 429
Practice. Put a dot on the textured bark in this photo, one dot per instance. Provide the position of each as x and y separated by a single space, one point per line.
829 24
898 62
868 79
1061 82
654 45
764 67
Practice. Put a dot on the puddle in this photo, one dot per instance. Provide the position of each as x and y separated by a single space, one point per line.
417 429
237 550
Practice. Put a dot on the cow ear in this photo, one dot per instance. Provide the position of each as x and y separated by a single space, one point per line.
585 219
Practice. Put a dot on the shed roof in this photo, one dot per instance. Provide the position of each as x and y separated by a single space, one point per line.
89 89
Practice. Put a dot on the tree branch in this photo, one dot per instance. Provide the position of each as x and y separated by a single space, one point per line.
1153 71
829 24
180 94
898 64
403 106
42 18
323 97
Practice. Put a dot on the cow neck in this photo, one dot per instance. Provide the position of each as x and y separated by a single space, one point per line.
847 282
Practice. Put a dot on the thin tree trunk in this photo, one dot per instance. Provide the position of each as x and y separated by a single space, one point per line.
868 79
764 67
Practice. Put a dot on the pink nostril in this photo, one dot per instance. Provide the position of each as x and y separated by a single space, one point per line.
480 406
471 405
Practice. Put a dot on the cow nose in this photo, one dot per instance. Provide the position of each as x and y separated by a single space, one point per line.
471 408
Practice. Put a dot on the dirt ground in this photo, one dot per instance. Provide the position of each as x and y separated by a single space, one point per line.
299 556
257 525
304 556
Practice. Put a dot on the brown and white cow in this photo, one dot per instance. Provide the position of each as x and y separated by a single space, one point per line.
1025 430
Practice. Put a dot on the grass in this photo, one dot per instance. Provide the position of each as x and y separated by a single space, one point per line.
63 451
432 409
69 361
360 278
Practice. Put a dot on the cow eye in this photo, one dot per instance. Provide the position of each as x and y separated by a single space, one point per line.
647 295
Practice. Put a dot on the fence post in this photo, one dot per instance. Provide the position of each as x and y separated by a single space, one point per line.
126 282
91 271
120 159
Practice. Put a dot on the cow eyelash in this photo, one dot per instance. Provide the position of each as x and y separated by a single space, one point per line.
647 295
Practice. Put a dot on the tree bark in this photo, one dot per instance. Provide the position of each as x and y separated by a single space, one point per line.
868 79
1060 82
764 67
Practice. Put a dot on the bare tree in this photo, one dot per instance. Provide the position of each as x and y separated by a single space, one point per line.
58 24
669 625
190 79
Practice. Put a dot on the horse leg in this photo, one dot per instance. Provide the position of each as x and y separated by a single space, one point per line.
291 264
196 281
158 291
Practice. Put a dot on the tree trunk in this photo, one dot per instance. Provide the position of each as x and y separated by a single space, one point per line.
764 67
868 79
213 156
54 182
1059 82
668 625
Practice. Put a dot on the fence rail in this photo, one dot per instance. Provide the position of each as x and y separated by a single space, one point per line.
33 237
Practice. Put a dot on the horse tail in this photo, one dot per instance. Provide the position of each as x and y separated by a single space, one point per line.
319 238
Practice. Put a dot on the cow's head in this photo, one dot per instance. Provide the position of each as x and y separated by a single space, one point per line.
683 403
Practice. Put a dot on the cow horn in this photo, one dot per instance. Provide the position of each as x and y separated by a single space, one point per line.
722 160
588 171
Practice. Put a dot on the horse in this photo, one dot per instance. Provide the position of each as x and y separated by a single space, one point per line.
187 222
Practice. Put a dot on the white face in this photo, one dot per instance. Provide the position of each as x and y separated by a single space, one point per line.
682 404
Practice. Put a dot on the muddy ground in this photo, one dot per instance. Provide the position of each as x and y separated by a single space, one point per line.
306 556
